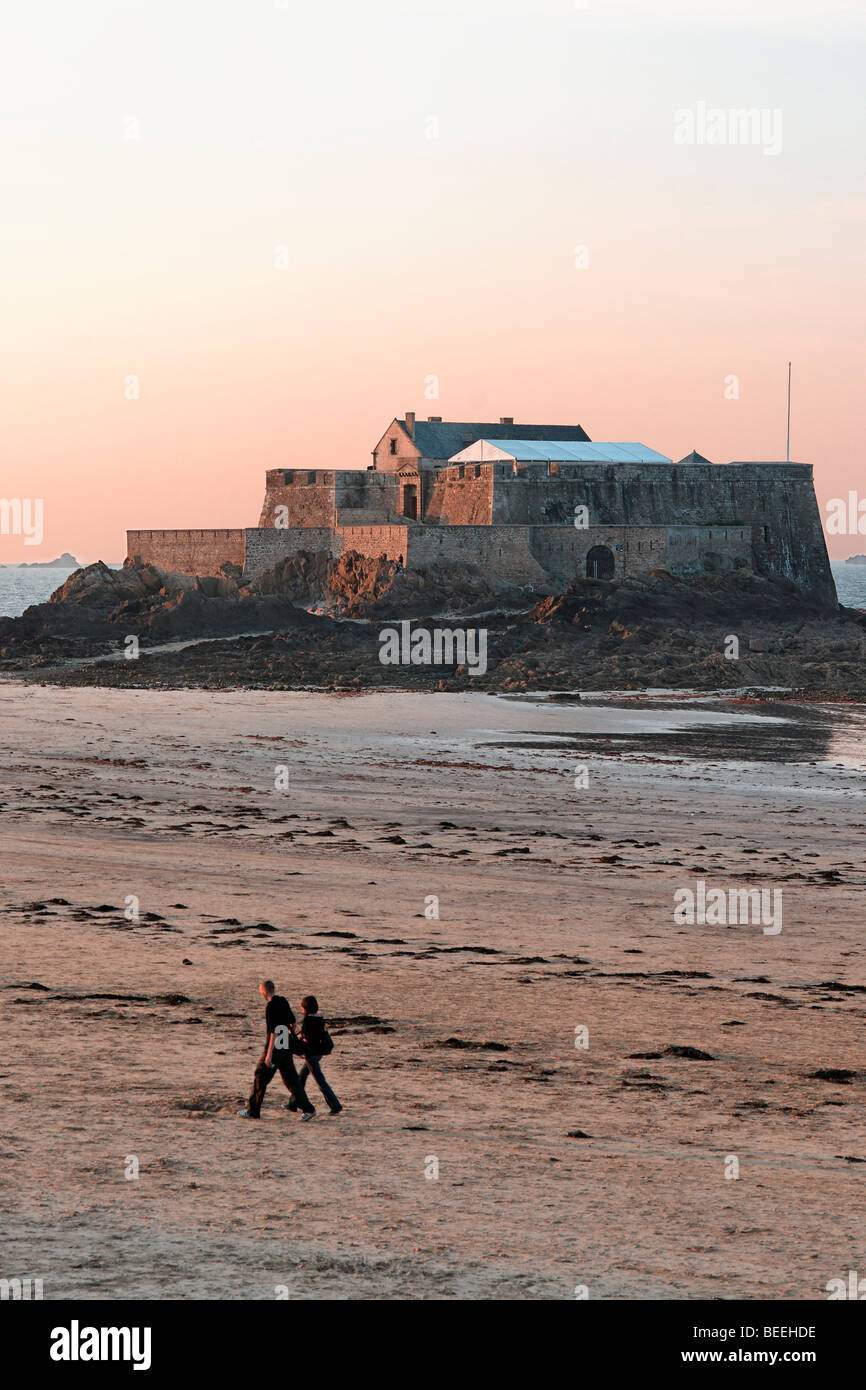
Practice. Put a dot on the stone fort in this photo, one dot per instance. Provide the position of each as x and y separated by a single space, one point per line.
531 504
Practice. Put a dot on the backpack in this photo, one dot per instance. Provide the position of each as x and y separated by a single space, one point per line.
321 1044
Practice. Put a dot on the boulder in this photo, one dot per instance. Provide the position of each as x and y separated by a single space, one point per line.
97 586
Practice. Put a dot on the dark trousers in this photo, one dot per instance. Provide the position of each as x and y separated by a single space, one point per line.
313 1065
264 1076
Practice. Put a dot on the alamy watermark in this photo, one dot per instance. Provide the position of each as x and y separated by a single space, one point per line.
736 125
855 1287
77 1343
729 907
846 516
439 646
20 1290
22 516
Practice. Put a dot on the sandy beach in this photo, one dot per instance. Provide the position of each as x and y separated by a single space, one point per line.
558 1166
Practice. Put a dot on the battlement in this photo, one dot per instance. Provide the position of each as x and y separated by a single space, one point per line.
300 477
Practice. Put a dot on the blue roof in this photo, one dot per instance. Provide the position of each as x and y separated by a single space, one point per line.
526 450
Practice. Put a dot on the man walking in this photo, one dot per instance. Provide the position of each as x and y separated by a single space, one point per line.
277 1056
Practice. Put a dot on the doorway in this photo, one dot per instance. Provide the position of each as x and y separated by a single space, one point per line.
410 501
600 563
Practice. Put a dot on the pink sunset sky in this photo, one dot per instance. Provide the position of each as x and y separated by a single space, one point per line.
431 170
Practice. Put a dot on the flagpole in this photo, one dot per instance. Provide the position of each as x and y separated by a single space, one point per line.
788 443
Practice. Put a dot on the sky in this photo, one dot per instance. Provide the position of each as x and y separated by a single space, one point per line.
244 234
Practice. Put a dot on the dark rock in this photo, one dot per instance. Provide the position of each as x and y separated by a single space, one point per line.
836 1074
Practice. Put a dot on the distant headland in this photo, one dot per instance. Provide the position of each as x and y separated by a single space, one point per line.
64 561
856 560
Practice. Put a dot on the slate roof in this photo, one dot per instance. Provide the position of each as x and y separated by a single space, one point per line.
694 457
441 440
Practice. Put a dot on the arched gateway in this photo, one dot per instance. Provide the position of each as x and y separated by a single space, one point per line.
600 563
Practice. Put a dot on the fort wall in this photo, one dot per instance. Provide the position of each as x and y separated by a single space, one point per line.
562 551
460 495
329 497
500 550
307 494
707 549
521 554
532 554
377 493
517 521
777 500
266 546
188 552
390 541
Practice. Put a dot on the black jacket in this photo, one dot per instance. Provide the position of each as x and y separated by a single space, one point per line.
278 1013
312 1033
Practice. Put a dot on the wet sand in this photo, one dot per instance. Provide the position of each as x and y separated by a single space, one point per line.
455 1037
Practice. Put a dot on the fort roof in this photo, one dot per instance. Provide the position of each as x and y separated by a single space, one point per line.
440 439
557 451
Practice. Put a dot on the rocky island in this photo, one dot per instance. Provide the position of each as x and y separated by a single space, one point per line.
313 621
583 565
63 562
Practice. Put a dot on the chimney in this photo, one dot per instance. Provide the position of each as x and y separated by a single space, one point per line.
410 423
434 419
506 419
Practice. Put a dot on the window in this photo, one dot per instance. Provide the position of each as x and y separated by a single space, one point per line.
393 444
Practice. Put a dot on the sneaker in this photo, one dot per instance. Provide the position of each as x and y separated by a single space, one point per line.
245 1115
290 1105
308 1115
336 1110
